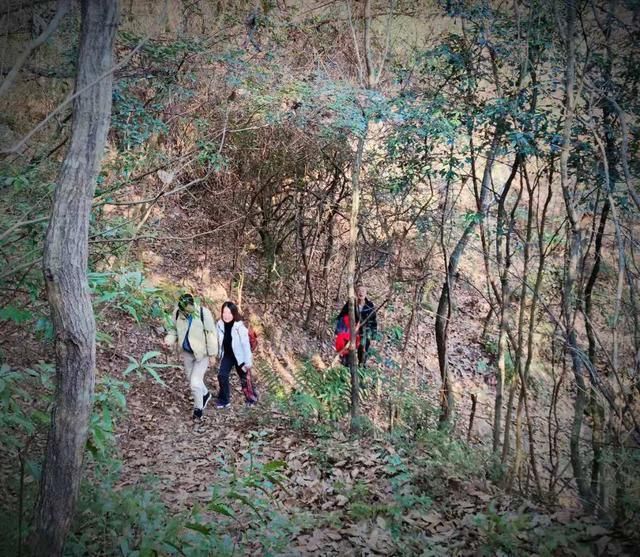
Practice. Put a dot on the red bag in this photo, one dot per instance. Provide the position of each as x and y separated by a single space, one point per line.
249 390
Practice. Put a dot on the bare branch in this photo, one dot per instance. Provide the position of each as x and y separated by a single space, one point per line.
18 146
61 10
166 238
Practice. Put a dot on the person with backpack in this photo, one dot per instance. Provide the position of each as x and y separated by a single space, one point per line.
194 335
343 337
234 352
366 322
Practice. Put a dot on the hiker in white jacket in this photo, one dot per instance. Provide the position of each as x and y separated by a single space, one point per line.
194 335
234 351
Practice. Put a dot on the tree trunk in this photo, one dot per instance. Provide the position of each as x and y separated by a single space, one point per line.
65 273
524 369
443 314
503 295
595 407
351 271
569 301
306 262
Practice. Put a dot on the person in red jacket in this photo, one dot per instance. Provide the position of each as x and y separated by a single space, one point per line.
343 337
366 321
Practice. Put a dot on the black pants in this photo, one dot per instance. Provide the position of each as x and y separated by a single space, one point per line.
363 352
362 355
228 362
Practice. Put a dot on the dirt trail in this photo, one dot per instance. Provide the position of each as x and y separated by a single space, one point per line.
160 438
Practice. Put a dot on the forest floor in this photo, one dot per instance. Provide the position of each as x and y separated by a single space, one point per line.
276 482
337 495
421 494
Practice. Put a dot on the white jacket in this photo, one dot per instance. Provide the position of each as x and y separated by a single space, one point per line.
239 342
202 338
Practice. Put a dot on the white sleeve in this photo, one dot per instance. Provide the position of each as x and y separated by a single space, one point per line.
246 346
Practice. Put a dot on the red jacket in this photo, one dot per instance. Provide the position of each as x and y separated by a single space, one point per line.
343 336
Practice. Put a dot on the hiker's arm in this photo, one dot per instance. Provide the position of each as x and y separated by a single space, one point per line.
210 332
246 347
373 326
171 338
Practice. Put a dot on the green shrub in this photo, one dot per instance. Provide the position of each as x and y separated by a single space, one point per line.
128 293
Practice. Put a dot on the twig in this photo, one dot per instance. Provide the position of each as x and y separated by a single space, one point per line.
61 10
18 146
20 224
14 270
163 238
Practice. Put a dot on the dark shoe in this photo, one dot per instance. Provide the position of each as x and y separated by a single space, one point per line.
197 413
205 400
222 405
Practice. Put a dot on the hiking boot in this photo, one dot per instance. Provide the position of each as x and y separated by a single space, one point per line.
205 400
222 405
197 413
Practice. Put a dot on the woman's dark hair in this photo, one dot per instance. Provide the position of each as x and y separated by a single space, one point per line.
233 309
184 301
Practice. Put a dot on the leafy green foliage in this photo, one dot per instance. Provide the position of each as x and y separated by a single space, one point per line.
395 333
415 412
18 416
24 416
133 120
522 532
246 499
145 365
15 314
129 293
109 403
501 532
135 521
326 393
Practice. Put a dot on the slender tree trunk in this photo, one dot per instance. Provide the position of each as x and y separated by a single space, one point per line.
351 272
500 374
474 404
595 407
517 460
506 444
308 286
443 314
573 257
503 259
523 369
609 164
65 273
369 79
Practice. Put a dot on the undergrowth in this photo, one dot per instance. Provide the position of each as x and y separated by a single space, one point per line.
423 468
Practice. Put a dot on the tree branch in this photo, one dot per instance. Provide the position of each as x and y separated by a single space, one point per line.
61 10
18 146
